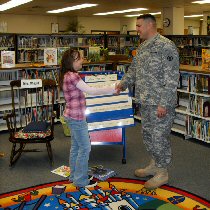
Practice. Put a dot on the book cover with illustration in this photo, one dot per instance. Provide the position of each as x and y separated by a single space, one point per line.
205 59
63 171
50 56
61 51
94 54
7 59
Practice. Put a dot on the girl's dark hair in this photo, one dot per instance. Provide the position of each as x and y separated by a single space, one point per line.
67 60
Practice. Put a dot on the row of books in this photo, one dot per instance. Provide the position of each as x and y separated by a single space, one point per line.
199 106
197 128
30 55
195 83
191 52
123 41
192 61
7 41
190 41
62 41
39 74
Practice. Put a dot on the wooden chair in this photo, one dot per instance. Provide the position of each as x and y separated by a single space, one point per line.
32 117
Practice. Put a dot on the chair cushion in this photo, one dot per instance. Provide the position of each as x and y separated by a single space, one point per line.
36 127
23 135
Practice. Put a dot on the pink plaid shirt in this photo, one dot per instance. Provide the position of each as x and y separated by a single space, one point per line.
75 98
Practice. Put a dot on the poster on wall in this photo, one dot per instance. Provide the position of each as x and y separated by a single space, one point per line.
7 59
50 56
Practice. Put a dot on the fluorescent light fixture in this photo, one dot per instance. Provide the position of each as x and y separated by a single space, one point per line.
121 11
202 2
80 6
136 15
13 3
186 16
201 19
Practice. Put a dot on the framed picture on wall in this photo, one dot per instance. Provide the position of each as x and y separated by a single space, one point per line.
54 28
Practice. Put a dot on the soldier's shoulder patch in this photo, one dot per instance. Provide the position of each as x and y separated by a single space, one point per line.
170 58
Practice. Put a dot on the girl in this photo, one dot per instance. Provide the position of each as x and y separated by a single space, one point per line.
74 113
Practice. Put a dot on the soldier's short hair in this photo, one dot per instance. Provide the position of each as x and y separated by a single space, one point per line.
147 17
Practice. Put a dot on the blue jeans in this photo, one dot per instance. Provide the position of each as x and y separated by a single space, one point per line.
79 152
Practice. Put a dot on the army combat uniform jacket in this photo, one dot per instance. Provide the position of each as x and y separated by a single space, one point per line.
155 72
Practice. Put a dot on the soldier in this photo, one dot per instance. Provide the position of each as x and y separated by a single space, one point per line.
154 71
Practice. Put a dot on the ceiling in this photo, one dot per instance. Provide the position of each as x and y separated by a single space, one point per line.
39 7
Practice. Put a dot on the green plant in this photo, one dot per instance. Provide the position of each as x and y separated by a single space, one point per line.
104 52
75 26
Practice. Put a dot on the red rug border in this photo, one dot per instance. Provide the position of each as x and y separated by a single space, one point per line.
114 179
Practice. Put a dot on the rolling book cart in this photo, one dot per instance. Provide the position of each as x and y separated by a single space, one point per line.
108 115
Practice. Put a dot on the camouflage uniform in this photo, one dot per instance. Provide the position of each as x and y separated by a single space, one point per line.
155 72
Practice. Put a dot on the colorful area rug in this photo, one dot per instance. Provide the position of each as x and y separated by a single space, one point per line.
113 194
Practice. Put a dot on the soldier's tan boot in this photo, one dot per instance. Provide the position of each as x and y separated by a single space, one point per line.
160 178
149 170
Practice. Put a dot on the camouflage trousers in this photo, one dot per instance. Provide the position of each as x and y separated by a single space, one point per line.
156 133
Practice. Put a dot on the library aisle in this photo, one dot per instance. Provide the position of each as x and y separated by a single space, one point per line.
189 170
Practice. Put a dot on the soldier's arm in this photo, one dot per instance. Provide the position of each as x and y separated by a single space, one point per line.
130 77
170 65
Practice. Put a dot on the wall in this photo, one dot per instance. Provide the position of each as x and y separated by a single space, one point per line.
99 23
32 23
42 24
194 23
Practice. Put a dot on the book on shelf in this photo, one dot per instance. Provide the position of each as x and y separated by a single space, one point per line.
63 171
205 59
198 128
50 56
7 59
61 51
94 54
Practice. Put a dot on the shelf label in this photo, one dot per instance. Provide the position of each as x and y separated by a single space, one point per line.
31 83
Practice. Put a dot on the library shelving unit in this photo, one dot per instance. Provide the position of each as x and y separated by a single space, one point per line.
122 44
21 71
7 42
190 48
30 47
80 41
193 110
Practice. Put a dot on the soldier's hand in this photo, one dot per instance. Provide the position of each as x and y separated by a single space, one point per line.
161 111
118 88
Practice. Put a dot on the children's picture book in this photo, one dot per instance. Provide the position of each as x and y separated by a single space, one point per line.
63 171
61 51
205 59
50 56
101 173
94 54
7 59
